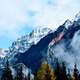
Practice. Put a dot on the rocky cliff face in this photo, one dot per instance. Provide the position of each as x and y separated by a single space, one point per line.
44 44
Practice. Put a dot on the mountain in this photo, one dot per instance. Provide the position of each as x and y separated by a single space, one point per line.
44 44
25 42
58 41
22 44
66 46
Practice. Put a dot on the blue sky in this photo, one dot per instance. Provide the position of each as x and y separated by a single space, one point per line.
19 17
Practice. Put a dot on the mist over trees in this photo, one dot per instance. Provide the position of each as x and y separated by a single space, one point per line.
59 73
45 72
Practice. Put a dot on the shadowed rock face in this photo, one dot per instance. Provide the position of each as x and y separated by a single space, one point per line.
35 55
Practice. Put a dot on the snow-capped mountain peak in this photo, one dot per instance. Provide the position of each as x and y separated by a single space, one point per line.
39 33
25 42
56 42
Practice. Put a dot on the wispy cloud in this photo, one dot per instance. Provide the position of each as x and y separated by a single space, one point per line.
15 15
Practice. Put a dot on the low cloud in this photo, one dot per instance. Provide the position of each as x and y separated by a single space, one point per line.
70 56
15 15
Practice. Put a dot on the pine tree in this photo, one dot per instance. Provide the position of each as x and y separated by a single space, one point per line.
58 71
49 73
28 76
76 73
64 74
79 76
25 78
19 74
7 74
69 75
45 72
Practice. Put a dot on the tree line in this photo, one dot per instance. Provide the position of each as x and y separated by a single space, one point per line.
7 73
59 73
45 72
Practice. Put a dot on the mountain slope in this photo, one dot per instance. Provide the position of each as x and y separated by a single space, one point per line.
37 53
46 45
25 42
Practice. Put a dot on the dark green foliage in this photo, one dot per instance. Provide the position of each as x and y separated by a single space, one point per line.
76 73
28 76
60 71
45 72
7 74
69 75
19 74
64 74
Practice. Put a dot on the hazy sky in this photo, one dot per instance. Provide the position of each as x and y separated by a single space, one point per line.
19 17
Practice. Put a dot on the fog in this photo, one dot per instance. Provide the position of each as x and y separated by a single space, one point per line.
71 56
